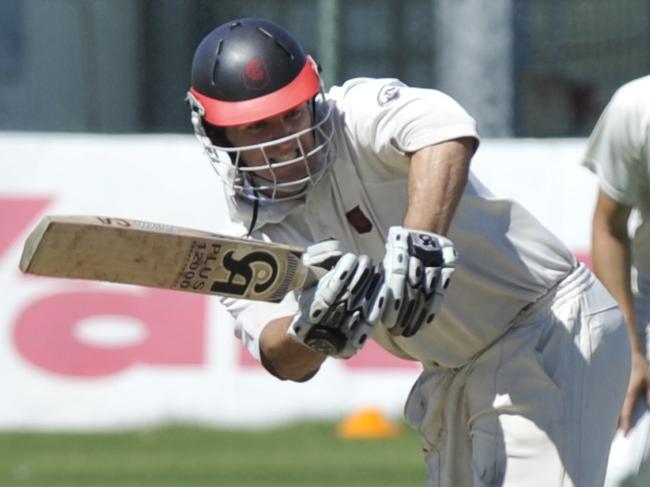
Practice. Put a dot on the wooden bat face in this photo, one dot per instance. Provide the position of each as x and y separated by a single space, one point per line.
162 256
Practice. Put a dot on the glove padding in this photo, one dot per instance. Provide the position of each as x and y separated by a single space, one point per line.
332 317
417 268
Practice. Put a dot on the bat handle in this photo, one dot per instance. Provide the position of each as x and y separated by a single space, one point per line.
312 275
323 256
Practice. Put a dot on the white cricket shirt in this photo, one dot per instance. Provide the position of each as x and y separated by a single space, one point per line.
619 153
507 259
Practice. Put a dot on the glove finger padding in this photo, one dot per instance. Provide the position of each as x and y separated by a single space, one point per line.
331 287
417 268
323 254
395 264
332 317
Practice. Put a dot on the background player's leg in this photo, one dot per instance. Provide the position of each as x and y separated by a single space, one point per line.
629 457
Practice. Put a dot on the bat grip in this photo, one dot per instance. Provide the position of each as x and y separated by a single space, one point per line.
312 275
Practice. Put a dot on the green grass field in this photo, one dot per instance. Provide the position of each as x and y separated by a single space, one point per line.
300 455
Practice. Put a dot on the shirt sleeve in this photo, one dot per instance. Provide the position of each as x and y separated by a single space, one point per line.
251 317
392 120
614 149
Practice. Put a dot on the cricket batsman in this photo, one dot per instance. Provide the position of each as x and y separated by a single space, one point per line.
525 354
619 153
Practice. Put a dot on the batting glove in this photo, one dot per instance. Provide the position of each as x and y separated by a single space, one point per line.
417 268
332 317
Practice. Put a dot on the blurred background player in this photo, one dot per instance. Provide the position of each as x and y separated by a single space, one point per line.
525 335
619 154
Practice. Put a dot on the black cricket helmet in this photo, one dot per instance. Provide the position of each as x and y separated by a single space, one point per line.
244 71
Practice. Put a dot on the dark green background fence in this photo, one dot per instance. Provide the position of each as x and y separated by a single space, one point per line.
522 67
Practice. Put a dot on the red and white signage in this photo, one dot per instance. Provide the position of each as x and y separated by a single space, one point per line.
85 355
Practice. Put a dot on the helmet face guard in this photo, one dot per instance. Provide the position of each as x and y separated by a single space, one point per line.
250 70
262 182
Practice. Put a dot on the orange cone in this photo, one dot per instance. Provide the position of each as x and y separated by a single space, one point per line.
367 423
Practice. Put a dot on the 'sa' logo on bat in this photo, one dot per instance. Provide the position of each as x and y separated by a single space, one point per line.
243 271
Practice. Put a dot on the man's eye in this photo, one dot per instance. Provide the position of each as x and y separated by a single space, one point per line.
255 127
294 114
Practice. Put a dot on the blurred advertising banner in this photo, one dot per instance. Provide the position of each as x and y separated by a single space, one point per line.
80 355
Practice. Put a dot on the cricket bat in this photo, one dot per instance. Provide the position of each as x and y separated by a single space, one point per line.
164 256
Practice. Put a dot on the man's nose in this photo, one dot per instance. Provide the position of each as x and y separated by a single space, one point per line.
282 130
284 146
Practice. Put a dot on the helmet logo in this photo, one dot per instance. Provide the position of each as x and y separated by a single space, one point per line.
255 75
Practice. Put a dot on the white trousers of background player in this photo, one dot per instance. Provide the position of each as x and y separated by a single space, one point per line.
537 408
629 457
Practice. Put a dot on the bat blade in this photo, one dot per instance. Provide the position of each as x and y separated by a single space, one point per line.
162 256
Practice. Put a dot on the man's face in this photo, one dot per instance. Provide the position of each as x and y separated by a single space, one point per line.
273 128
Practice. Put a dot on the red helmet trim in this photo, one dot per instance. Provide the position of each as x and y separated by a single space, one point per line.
228 113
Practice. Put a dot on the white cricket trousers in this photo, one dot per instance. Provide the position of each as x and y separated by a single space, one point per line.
629 457
539 407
